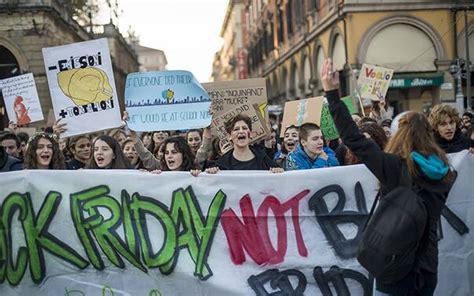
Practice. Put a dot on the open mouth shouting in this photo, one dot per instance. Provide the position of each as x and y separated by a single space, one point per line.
100 160
172 164
45 159
290 146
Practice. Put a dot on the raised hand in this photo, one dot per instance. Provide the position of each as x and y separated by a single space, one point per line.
329 78
59 128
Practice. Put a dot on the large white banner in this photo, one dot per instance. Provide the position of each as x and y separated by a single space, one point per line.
82 86
235 233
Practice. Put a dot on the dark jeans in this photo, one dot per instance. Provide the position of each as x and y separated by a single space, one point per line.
423 284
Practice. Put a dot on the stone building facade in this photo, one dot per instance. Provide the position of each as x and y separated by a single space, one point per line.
28 26
230 63
289 39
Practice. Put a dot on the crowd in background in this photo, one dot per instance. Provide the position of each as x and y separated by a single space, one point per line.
197 150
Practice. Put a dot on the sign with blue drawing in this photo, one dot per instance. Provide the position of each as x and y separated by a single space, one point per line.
166 100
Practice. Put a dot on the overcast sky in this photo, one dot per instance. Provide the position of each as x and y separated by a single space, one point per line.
187 30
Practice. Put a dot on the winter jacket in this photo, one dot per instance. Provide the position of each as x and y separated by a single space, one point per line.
386 167
458 143
299 160
9 163
74 164
149 161
263 162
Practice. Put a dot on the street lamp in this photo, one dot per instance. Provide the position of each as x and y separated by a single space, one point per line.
460 70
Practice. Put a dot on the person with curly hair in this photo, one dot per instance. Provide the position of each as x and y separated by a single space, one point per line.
43 153
243 156
107 154
446 124
177 155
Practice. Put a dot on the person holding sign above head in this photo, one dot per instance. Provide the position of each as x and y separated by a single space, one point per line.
43 153
311 152
243 156
107 155
177 156
412 166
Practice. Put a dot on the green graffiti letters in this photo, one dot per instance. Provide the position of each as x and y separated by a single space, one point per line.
185 214
102 230
36 235
107 228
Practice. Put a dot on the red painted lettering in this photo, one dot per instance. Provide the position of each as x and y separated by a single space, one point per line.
368 72
253 234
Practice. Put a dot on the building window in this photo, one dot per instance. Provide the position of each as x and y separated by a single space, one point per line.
299 12
289 17
8 64
280 28
313 5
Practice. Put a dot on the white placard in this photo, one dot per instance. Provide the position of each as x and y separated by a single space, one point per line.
21 99
82 86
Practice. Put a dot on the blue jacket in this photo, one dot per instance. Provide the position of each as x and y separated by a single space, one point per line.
299 160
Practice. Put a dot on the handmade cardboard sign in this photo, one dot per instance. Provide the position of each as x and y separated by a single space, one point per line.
21 99
231 96
166 100
328 128
218 123
302 111
374 81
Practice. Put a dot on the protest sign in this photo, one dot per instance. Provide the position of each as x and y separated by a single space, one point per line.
166 100
229 96
255 115
301 111
82 86
117 232
328 128
21 99
373 82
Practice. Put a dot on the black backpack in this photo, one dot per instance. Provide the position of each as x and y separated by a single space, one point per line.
390 242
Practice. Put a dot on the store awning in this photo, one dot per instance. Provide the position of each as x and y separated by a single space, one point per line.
416 80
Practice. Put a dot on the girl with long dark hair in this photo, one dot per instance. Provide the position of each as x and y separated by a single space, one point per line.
413 146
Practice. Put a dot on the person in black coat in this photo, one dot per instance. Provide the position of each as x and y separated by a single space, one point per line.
414 145
446 124
9 163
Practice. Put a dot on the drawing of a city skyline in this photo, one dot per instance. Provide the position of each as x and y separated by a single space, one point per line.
160 101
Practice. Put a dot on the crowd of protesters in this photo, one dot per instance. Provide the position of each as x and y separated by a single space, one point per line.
197 150
416 143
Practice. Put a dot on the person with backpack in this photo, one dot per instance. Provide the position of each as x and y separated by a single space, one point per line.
411 163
